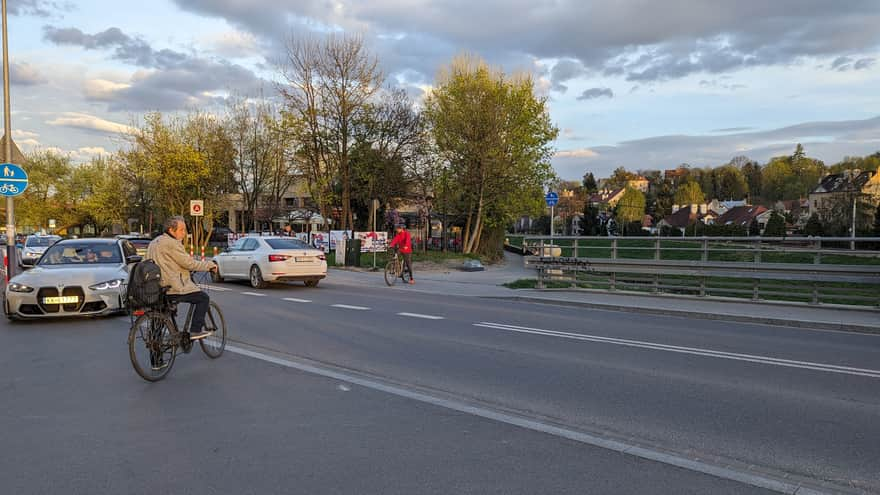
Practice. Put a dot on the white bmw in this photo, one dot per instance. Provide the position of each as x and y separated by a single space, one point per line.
74 277
262 260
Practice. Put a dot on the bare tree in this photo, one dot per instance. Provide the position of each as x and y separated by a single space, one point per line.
329 83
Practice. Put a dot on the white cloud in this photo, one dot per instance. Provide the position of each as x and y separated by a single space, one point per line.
579 153
232 44
102 89
20 134
89 122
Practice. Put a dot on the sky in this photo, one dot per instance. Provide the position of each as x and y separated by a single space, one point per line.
643 84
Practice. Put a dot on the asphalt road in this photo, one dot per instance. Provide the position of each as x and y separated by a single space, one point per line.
785 401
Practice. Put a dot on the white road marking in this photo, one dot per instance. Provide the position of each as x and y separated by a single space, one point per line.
416 315
788 363
258 294
346 306
218 289
293 299
731 471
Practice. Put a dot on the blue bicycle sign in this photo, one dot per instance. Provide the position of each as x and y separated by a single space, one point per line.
13 179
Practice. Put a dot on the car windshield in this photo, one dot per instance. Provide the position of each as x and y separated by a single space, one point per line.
81 254
41 241
287 244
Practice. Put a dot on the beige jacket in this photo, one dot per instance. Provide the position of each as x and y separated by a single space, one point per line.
175 264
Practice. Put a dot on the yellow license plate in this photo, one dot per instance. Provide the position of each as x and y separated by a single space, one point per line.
61 300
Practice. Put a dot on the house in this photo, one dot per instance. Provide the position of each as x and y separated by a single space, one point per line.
681 218
744 215
608 197
834 188
676 176
640 183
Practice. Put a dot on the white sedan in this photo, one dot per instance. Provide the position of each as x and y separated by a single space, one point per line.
263 260
75 277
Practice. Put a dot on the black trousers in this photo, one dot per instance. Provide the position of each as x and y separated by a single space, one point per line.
407 263
201 301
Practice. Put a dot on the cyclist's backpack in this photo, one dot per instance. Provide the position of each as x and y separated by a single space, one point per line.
144 285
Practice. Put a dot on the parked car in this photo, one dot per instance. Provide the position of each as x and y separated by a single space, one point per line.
33 247
74 277
139 242
263 260
220 235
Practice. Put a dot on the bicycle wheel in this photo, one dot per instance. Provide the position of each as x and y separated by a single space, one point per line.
214 345
391 273
152 346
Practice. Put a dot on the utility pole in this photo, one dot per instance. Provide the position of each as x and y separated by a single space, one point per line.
7 127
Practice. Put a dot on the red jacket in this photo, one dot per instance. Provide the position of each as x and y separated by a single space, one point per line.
404 240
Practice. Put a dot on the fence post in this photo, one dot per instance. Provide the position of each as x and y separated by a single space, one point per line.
817 258
758 251
614 248
702 286
656 288
657 248
613 280
705 256
815 293
575 249
540 284
756 289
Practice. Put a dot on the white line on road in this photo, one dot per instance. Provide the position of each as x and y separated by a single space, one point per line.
743 474
258 294
218 289
788 363
416 315
346 306
293 299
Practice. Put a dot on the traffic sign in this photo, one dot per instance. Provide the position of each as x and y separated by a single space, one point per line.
13 179
551 198
17 157
197 208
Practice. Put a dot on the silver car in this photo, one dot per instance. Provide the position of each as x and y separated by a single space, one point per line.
261 260
74 277
34 247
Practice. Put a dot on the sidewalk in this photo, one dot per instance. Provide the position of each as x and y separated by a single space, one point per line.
488 284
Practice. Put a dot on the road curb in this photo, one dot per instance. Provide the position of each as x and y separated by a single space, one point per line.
786 322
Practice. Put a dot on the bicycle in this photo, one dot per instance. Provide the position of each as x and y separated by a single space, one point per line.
11 188
155 338
394 270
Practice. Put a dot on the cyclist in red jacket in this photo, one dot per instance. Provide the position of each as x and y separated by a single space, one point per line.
403 241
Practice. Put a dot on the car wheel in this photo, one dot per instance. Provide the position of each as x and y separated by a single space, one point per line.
257 281
312 283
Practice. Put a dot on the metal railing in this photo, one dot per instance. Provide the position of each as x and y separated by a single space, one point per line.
812 270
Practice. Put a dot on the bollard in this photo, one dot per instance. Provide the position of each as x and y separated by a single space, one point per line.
203 252
215 250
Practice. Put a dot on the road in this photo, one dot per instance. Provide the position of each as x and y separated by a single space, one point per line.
759 399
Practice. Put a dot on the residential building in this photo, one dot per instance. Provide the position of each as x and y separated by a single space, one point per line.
640 183
608 197
843 187
744 215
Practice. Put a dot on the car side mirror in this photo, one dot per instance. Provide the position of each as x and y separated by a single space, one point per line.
135 258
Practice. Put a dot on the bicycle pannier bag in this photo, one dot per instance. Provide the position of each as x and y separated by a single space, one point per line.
144 285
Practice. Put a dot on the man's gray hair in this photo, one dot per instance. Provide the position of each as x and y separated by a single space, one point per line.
171 223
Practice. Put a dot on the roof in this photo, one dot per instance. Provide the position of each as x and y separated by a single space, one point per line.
841 182
681 218
605 195
740 215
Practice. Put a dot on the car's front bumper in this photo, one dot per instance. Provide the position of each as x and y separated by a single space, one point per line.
90 303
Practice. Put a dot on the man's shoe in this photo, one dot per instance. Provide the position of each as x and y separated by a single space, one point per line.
412 282
200 335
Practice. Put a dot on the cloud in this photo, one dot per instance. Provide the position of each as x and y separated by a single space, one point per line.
39 8
25 74
593 93
20 134
733 129
713 84
842 64
563 71
169 80
233 44
579 153
829 141
90 123
638 40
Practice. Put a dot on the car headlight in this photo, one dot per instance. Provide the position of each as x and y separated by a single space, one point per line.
110 284
17 287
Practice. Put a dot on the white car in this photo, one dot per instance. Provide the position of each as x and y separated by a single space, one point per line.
263 260
34 247
74 277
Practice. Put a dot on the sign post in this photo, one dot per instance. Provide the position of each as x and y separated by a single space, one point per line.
197 211
551 198
7 150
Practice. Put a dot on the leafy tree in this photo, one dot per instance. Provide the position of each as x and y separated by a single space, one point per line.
494 134
752 172
631 207
877 221
814 226
775 226
754 228
590 185
689 193
731 183
590 223
620 178
791 177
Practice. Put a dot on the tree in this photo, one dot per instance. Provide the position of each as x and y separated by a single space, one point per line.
791 177
731 183
689 193
814 226
590 185
620 178
330 83
775 226
590 223
754 227
752 172
877 221
631 207
494 135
